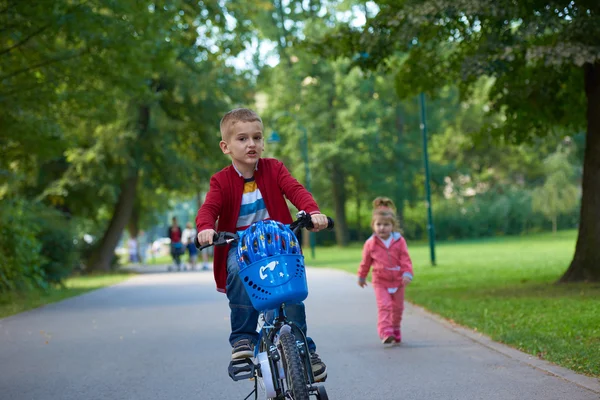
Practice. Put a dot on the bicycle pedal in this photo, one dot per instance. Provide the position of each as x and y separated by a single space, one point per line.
241 369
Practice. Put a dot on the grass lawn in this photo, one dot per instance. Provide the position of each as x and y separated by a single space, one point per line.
15 303
158 260
505 288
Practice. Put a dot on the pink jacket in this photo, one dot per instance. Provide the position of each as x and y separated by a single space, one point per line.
389 265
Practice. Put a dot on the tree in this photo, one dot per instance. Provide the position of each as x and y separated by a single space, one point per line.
559 193
116 97
355 129
542 56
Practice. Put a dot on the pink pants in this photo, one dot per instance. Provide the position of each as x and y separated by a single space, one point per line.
390 307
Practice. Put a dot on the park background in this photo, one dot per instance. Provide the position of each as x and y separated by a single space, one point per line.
486 114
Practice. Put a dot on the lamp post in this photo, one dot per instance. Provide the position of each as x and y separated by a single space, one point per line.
275 138
430 228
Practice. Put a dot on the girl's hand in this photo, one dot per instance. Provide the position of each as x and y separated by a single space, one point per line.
362 282
406 280
206 236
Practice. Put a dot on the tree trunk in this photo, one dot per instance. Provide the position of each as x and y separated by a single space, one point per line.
282 43
133 224
554 224
586 261
359 235
400 187
305 237
133 227
102 257
339 204
400 213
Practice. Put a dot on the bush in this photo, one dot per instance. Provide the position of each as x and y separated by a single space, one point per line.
508 212
20 258
36 246
58 248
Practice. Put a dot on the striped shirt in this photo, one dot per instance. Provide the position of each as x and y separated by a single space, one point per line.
253 206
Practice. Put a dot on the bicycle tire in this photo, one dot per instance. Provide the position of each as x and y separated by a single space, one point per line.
322 393
294 369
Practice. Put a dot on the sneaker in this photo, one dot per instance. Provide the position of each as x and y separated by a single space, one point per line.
243 348
388 339
319 369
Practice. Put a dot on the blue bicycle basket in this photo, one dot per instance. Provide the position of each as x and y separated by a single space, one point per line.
271 265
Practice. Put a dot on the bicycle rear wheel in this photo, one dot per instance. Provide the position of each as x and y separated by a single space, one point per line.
294 368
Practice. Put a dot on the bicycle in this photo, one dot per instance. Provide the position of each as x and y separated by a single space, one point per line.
281 363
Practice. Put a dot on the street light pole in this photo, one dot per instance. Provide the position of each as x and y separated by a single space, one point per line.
430 228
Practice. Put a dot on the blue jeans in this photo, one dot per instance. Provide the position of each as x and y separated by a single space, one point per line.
244 318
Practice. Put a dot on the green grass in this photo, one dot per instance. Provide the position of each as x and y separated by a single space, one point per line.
14 303
505 288
158 260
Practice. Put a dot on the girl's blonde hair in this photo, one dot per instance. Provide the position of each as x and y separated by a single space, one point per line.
384 203
387 215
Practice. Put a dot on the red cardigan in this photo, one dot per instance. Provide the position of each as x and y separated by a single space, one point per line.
224 200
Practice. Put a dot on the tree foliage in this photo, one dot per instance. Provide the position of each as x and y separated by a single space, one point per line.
543 57
109 110
558 194
102 99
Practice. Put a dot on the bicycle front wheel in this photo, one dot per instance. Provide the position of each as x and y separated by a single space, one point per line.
294 368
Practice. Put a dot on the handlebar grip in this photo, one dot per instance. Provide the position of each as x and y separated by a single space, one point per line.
330 224
202 247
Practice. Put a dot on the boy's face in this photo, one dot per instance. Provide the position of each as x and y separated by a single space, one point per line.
244 142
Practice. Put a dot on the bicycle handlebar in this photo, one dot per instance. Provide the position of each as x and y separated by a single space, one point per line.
304 221
223 238
219 239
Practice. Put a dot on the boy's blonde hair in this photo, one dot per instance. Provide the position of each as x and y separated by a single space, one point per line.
387 215
384 203
234 116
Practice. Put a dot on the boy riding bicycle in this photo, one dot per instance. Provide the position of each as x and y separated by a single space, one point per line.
251 189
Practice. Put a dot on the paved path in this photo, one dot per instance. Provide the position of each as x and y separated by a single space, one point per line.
164 336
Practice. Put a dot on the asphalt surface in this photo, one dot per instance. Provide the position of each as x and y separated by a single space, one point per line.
164 336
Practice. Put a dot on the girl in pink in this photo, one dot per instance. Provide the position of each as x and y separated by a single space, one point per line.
387 253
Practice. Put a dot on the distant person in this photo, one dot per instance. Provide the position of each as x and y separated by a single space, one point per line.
132 246
206 254
142 246
252 189
387 254
188 241
155 249
174 233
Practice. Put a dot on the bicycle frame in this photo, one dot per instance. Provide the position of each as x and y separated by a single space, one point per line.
270 370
